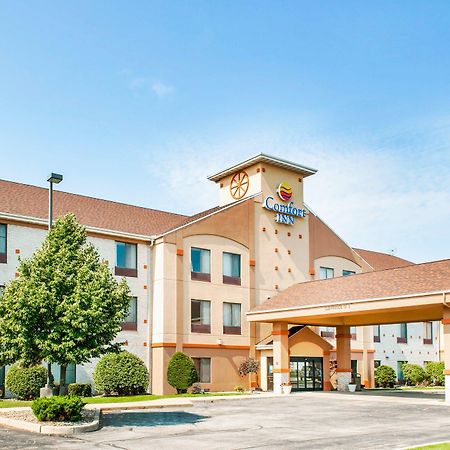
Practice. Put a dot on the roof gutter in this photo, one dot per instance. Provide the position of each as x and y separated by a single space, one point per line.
105 231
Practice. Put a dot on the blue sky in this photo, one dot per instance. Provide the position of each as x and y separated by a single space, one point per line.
134 100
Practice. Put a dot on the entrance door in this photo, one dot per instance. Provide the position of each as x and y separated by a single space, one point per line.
306 373
270 373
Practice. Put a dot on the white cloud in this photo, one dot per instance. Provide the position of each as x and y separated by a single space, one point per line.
159 88
392 193
162 89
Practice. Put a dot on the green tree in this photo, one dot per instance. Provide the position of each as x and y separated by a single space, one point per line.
181 372
385 376
65 307
413 374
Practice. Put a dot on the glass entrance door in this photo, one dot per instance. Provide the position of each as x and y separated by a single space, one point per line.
306 373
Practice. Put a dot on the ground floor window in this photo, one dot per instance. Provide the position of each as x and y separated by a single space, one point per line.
2 381
203 366
71 373
400 375
376 363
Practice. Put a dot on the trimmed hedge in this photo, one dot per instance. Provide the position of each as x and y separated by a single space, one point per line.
121 374
181 372
80 390
413 374
58 409
434 373
385 376
25 382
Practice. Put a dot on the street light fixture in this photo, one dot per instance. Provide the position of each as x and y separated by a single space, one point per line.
54 178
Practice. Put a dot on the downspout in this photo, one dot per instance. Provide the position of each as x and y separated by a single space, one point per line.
150 311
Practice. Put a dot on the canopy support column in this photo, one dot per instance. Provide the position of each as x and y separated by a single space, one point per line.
280 335
446 342
343 356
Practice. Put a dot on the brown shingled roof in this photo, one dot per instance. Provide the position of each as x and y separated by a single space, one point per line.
32 201
402 281
381 261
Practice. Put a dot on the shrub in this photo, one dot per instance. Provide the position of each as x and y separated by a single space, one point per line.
121 374
25 382
434 373
81 390
385 376
58 409
239 389
181 372
197 389
413 374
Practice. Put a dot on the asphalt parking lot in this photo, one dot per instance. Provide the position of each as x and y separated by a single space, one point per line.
299 421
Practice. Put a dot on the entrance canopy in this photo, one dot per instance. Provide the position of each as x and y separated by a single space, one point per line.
415 293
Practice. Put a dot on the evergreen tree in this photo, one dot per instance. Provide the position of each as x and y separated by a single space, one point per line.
65 307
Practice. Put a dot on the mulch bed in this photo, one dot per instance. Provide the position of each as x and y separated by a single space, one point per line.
28 416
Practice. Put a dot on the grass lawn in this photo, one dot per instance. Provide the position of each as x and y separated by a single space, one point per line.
445 446
422 388
131 398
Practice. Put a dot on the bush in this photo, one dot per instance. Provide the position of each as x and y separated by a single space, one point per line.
58 409
385 376
181 372
25 382
413 374
121 374
434 373
239 389
80 390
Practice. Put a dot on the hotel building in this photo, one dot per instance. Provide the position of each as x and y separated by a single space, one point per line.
194 278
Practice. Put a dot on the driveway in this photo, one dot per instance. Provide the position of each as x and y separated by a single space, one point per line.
299 421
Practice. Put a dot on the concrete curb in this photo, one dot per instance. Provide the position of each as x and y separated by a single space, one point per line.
62 430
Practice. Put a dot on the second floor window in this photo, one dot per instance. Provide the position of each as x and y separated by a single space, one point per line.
403 338
376 333
126 259
428 333
346 273
231 318
200 316
326 272
200 264
353 332
3 254
130 322
327 332
231 268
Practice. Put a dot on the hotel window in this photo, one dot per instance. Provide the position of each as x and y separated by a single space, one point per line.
3 253
376 333
376 363
400 375
346 273
428 333
203 367
231 318
326 272
403 338
200 264
130 322
71 373
353 332
126 259
327 332
200 316
231 268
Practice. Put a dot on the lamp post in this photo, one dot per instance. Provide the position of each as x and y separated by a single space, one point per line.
54 178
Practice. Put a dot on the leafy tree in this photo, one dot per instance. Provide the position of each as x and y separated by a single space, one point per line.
65 307
181 372
434 373
121 374
385 376
250 365
413 374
